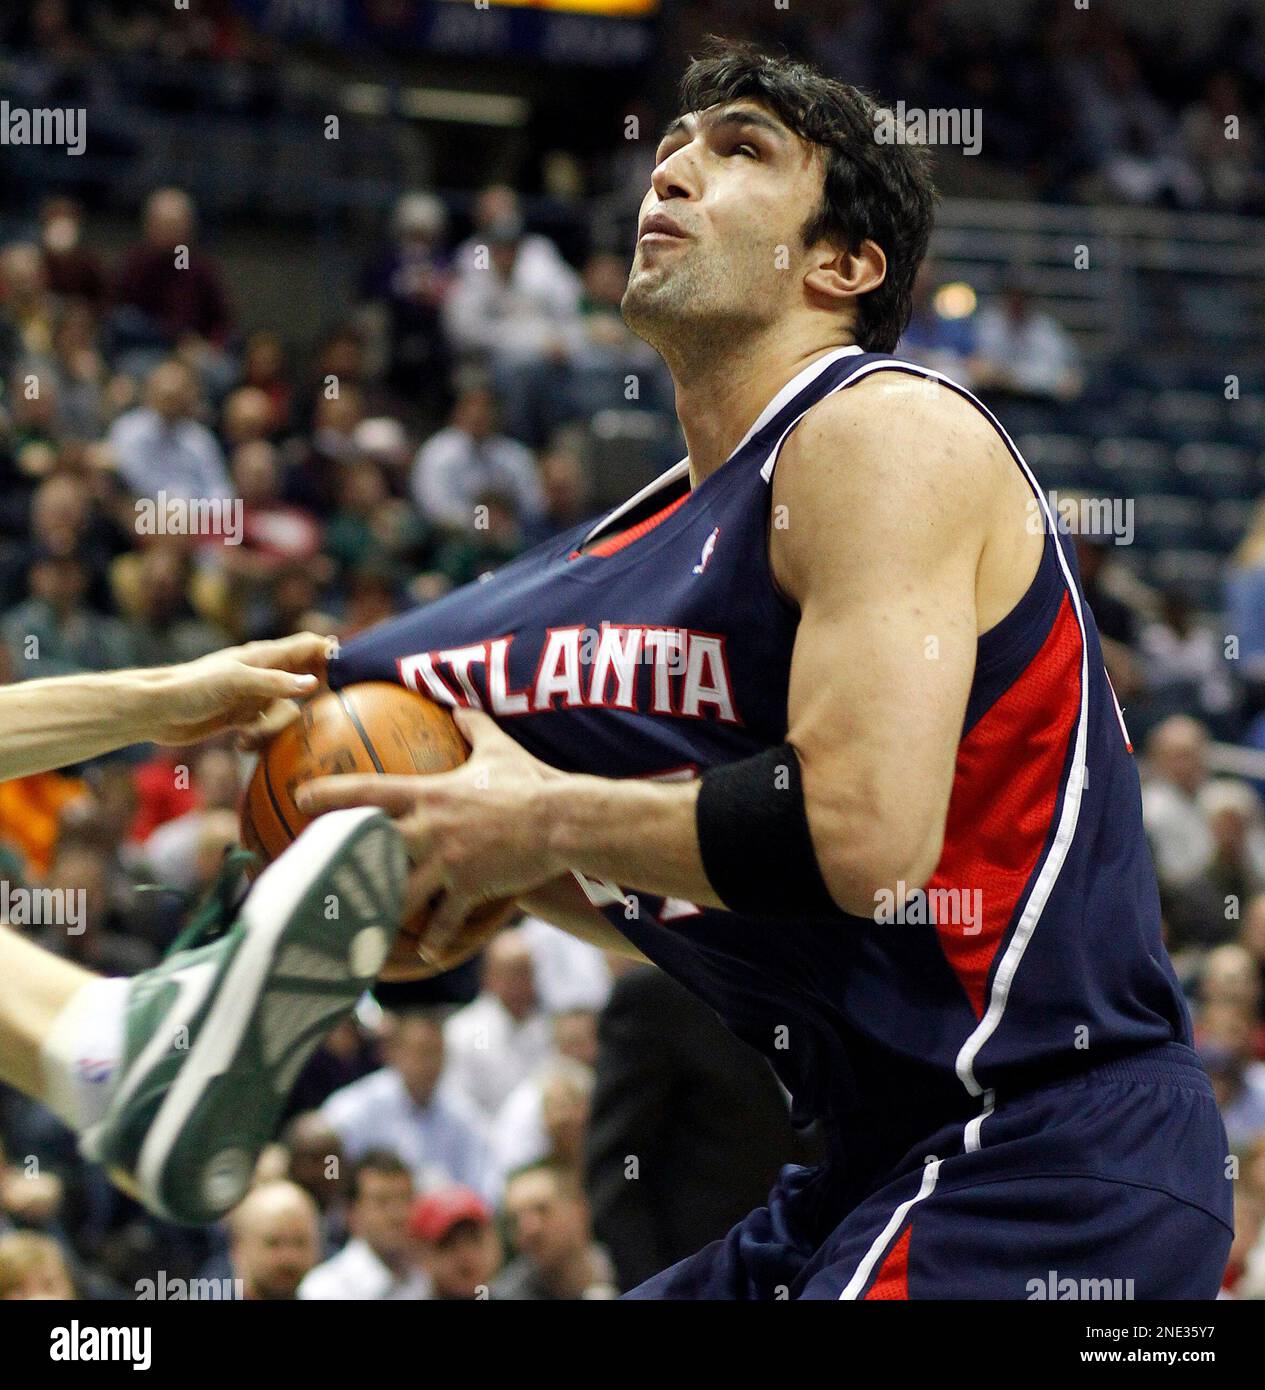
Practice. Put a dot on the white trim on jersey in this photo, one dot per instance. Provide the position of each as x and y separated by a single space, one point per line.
797 383
1050 870
852 1290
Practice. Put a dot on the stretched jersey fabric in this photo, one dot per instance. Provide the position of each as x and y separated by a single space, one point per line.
1034 951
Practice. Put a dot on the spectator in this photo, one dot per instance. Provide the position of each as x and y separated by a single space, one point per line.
546 1116
1125 132
1252 939
516 300
314 1160
1245 598
54 633
457 1244
274 533
73 270
1024 351
162 447
495 540
1183 662
1229 157
557 1257
29 307
88 935
264 369
467 459
1237 867
410 281
375 1263
1225 1048
171 288
567 491
370 527
246 417
169 851
274 1240
1229 977
1176 823
152 589
503 1036
411 1108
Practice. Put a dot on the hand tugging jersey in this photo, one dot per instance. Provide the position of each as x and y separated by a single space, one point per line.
665 649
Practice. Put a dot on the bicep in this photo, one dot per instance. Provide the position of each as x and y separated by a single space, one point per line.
879 683
881 551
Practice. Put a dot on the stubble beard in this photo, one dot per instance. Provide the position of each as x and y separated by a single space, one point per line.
690 314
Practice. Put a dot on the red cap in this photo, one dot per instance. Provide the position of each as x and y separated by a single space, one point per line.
435 1214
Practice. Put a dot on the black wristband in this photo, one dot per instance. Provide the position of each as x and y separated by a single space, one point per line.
754 840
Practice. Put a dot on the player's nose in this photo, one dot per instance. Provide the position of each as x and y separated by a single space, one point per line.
676 176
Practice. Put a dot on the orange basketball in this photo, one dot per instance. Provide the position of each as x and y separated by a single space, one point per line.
371 727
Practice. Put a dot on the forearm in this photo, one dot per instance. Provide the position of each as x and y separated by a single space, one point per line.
640 834
46 724
562 903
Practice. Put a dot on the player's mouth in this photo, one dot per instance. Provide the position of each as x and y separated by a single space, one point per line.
660 227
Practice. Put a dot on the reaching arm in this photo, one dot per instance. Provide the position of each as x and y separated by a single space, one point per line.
47 724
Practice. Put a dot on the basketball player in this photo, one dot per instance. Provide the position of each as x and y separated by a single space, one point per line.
826 703
174 1079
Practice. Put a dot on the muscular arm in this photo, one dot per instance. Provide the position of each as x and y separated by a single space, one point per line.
881 509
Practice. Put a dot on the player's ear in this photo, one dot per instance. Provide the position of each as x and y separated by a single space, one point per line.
836 275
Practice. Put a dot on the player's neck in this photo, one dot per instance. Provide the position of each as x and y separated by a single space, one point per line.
718 403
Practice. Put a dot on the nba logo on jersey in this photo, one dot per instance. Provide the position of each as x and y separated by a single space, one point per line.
708 546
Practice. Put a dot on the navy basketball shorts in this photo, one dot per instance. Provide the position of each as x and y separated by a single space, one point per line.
1112 1185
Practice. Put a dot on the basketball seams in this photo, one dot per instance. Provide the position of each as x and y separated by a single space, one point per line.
350 711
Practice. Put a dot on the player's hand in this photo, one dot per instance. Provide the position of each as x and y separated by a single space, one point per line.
235 688
474 834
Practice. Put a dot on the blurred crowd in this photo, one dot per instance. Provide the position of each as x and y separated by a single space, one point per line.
479 396
1079 102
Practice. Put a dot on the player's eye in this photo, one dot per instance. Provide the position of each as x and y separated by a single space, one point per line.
749 151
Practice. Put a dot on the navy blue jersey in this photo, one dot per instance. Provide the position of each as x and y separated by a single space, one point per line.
665 649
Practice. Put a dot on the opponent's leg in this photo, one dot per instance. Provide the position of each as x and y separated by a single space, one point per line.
38 988
175 1078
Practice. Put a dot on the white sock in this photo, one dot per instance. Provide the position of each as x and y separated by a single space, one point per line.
82 1052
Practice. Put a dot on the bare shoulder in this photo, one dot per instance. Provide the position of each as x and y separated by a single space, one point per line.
912 476
904 427
898 463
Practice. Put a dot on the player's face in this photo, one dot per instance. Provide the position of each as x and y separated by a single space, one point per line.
719 241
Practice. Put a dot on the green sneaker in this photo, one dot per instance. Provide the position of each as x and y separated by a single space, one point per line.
217 1033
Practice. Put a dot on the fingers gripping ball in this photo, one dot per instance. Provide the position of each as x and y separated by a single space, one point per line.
366 728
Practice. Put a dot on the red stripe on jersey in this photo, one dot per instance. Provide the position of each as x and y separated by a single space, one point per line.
892 1280
617 542
1005 793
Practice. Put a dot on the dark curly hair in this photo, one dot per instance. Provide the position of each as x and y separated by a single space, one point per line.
871 191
